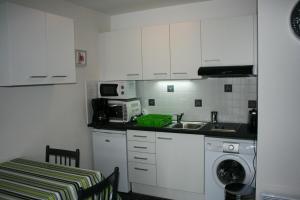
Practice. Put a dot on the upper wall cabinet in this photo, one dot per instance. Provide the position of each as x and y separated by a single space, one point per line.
185 48
120 55
156 52
35 48
60 49
228 41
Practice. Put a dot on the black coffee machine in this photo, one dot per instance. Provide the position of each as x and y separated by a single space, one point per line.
100 111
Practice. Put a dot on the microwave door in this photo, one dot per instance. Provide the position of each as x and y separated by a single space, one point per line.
109 90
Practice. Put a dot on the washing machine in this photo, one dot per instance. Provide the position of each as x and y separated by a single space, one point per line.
228 161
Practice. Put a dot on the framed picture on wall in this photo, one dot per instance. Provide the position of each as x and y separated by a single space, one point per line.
80 57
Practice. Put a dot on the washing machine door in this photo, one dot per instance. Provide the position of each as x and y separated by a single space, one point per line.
232 169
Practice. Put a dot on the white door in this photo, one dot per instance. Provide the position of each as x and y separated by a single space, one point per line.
180 161
228 41
156 52
109 152
60 49
185 50
123 58
27 45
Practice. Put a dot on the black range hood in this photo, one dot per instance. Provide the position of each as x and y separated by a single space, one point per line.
226 71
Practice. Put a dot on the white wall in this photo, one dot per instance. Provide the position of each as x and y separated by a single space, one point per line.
188 12
278 165
231 106
31 117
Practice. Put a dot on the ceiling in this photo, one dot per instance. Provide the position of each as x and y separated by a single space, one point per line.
113 7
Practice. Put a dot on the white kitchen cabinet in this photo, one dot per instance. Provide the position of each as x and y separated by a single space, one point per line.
142 173
156 52
228 41
25 47
185 48
141 157
60 49
109 151
146 158
24 35
142 136
180 161
145 147
121 57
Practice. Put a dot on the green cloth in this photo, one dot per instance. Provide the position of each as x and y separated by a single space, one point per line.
26 179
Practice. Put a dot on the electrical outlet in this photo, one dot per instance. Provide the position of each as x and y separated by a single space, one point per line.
170 88
198 102
151 102
252 104
228 88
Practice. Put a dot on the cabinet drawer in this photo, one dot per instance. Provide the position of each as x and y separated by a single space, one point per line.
144 147
142 173
141 157
143 136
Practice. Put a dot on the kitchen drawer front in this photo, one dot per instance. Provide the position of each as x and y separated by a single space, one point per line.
144 147
141 157
143 136
142 173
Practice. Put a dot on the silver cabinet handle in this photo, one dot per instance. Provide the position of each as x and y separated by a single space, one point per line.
160 74
139 147
39 76
140 158
164 138
212 60
133 74
140 169
140 136
178 73
59 76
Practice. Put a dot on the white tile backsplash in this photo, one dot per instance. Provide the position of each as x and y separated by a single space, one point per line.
231 106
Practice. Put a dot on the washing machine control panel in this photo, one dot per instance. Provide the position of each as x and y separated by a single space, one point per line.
231 147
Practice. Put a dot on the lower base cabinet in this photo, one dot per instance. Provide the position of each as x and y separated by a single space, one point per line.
173 169
142 173
180 161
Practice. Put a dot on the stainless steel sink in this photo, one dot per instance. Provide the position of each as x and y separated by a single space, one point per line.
225 127
223 130
187 125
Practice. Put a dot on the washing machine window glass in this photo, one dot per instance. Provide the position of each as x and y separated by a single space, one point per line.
230 171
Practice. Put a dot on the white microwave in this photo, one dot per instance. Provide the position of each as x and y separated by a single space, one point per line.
117 89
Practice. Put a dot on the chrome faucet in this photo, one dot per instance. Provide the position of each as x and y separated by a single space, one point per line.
179 117
214 117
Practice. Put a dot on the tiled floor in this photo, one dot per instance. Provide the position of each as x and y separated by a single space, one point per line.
134 196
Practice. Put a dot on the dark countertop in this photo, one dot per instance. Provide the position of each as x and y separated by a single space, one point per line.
242 133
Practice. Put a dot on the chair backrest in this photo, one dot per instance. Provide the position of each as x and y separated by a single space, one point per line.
65 156
109 184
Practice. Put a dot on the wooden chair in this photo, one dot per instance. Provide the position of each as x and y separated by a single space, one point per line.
110 183
61 153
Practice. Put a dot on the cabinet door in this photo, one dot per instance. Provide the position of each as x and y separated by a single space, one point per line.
180 161
60 49
27 45
185 50
228 41
156 52
109 151
123 60
142 173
